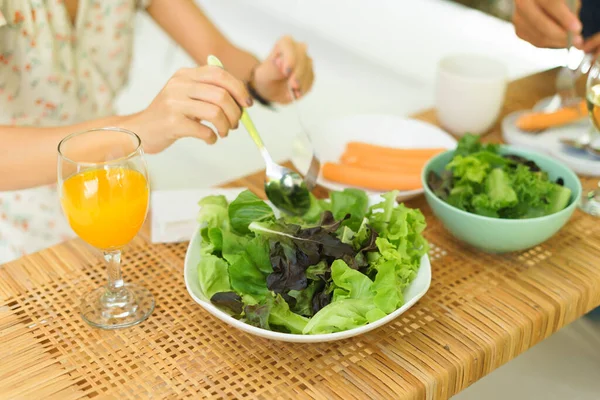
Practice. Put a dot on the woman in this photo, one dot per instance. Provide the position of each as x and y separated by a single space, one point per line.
62 62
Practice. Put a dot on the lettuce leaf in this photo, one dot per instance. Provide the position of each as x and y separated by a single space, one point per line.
246 278
343 315
480 180
248 263
213 212
388 288
246 209
353 202
349 283
274 312
304 298
213 275
228 300
318 271
293 249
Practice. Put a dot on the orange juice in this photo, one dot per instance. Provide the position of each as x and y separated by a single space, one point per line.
106 207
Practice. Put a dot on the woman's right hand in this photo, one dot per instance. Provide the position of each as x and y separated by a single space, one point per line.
209 94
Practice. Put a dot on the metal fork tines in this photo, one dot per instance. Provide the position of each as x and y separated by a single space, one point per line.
312 173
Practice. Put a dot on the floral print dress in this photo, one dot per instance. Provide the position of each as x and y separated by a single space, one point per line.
53 73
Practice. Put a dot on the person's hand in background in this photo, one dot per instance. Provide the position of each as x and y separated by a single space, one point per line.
288 64
592 45
545 23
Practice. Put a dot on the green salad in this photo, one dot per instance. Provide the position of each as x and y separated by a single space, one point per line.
482 181
340 266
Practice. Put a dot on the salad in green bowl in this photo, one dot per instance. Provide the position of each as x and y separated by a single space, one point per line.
480 179
342 265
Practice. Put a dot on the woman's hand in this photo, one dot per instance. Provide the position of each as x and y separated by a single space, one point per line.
592 45
288 66
191 96
545 23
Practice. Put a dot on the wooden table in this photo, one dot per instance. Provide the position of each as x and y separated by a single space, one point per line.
481 311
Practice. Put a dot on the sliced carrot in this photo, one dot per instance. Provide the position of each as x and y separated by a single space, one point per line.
400 165
536 121
370 178
366 148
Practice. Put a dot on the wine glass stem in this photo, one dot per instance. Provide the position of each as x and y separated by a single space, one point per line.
115 279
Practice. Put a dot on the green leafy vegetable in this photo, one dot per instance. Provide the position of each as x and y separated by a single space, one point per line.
349 283
480 180
248 208
353 202
213 275
294 249
343 315
318 271
388 287
341 265
275 312
213 212
304 298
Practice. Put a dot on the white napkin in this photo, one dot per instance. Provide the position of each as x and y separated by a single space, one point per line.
173 212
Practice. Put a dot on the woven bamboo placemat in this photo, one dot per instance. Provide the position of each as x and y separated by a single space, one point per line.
481 311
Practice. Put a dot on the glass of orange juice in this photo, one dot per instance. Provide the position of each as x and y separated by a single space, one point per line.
103 186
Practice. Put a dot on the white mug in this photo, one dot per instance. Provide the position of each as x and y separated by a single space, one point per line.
470 92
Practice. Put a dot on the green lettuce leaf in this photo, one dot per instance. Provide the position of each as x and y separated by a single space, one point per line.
275 313
246 278
233 246
346 235
388 288
213 212
343 315
349 283
246 209
213 275
470 144
304 298
468 169
293 249
318 271
350 201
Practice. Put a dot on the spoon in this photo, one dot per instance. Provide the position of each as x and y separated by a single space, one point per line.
580 143
583 143
284 188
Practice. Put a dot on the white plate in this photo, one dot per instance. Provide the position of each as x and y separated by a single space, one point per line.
549 143
330 138
412 294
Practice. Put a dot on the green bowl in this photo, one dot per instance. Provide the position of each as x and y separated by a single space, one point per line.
495 235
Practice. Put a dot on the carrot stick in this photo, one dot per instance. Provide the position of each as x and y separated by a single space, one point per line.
536 121
401 166
366 148
369 178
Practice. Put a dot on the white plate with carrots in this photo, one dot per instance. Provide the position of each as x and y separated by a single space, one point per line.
376 153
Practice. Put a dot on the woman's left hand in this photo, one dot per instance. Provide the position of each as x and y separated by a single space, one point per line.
287 67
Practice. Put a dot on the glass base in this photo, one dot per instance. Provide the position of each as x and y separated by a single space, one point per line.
590 203
103 309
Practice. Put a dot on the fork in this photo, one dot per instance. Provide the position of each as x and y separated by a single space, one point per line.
310 178
567 76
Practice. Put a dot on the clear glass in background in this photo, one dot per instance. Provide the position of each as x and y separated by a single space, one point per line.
104 192
590 203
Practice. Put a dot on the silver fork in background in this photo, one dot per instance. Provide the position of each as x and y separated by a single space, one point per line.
566 93
312 173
